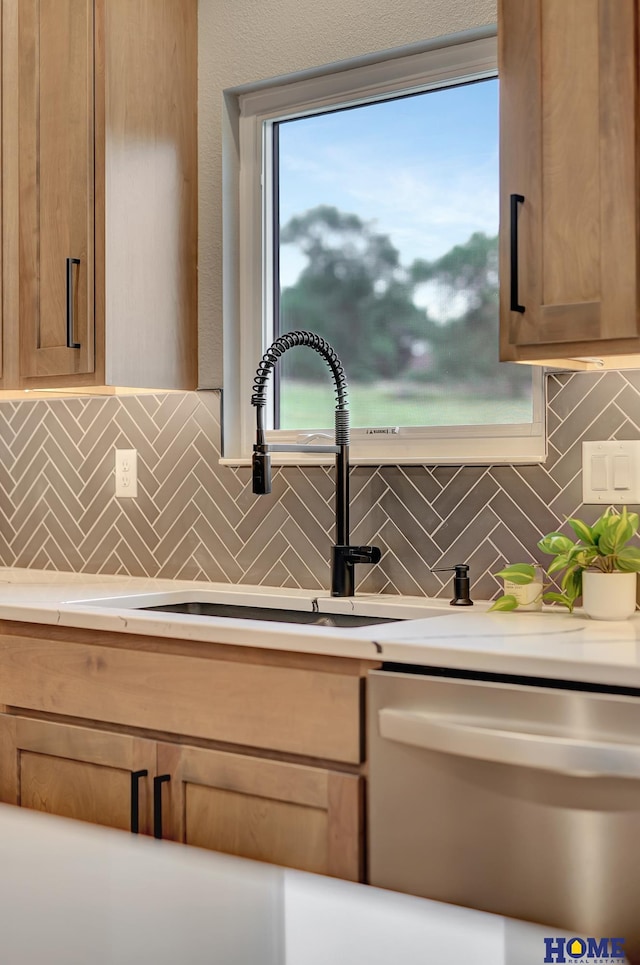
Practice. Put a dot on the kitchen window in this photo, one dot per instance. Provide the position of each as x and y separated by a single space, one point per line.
368 213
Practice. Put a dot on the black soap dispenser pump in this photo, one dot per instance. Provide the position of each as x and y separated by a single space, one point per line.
461 586
461 583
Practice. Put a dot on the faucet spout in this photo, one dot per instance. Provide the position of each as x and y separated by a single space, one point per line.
344 556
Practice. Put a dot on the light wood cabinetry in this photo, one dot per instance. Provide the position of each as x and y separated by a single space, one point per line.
291 814
569 181
75 772
100 200
252 752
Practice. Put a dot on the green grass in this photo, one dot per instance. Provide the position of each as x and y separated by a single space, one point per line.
311 406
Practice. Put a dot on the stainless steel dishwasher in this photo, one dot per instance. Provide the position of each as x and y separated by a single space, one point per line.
510 795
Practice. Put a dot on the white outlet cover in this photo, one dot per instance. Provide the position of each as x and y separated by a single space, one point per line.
611 472
126 469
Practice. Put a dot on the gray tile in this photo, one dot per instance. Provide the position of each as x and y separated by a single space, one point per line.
32 546
467 543
176 503
137 550
208 564
180 554
320 508
575 391
511 549
629 431
167 545
191 571
279 575
259 507
214 485
524 496
218 548
584 421
543 485
410 527
412 561
516 520
368 496
272 552
413 497
171 474
458 488
263 532
403 567
472 505
218 521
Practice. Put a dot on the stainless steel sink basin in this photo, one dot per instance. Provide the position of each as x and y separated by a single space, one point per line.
237 612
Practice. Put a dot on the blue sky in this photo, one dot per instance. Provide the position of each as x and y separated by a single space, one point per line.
423 168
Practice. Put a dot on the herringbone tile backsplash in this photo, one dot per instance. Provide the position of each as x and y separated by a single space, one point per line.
194 519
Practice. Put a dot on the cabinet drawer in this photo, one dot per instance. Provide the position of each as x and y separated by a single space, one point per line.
309 712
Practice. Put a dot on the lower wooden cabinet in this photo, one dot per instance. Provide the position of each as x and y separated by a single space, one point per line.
76 772
290 814
295 815
248 751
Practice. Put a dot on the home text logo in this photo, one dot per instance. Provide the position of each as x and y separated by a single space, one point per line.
596 951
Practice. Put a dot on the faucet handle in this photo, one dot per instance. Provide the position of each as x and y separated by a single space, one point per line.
361 554
343 559
461 584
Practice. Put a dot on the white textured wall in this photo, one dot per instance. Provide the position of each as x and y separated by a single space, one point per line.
245 41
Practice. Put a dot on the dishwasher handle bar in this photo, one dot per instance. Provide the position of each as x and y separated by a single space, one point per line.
468 737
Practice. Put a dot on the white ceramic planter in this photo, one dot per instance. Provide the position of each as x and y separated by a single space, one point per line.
608 596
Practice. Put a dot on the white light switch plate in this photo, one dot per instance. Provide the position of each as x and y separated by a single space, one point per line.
611 472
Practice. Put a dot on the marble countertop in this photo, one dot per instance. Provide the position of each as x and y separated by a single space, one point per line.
553 643
71 894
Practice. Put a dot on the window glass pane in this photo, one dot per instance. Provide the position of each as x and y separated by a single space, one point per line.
387 216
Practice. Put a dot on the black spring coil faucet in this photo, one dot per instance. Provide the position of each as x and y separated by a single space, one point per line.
344 556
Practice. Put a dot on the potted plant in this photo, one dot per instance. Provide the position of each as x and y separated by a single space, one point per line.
601 566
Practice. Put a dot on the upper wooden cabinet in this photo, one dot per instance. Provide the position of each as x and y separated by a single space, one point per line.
100 195
569 158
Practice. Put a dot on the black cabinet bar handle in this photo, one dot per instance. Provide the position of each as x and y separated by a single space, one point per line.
135 799
70 263
157 803
515 200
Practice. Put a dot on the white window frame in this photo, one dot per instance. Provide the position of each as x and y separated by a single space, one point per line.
248 278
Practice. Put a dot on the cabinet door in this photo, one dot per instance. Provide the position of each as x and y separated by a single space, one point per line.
289 814
568 106
56 163
76 772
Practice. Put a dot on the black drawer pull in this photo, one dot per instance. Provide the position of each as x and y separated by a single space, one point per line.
70 263
135 800
515 200
157 804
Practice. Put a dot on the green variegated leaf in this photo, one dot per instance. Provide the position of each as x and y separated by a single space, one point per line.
572 582
582 531
585 556
558 564
555 543
507 602
558 598
598 526
615 537
607 540
634 519
628 559
521 573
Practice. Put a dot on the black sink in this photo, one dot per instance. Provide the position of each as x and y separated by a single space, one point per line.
234 611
